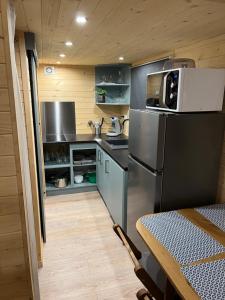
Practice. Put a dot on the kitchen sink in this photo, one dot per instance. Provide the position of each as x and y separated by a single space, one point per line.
117 144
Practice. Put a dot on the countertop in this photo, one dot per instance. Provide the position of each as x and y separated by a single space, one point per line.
119 155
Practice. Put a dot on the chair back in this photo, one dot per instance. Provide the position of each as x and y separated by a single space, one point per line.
141 273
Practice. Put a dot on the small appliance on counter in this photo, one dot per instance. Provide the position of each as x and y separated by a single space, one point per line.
116 127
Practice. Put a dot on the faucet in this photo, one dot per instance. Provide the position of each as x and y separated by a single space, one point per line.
125 121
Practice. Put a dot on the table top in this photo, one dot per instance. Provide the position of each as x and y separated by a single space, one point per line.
170 266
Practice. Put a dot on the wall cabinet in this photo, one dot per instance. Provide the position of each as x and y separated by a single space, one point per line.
112 184
139 83
112 83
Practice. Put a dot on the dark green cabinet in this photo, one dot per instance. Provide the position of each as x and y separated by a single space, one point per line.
112 184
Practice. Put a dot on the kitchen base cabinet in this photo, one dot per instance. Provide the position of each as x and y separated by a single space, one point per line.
67 161
112 184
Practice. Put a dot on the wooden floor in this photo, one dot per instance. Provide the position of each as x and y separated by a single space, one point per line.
83 258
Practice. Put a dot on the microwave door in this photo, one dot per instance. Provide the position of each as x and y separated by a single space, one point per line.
155 90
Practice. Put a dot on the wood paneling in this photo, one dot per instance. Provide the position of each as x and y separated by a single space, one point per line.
17 265
3 76
7 166
10 224
6 145
8 186
2 51
134 29
4 100
5 123
1 31
9 205
17 288
75 83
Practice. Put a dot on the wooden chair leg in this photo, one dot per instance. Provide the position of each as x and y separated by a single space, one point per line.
136 252
143 295
147 281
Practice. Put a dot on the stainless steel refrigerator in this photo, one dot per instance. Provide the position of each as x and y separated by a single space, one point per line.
173 163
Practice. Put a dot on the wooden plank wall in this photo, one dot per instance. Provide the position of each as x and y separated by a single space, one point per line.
23 73
75 83
18 273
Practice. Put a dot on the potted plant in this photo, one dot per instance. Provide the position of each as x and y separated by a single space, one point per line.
102 93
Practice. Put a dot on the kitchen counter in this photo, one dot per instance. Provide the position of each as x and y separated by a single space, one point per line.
119 155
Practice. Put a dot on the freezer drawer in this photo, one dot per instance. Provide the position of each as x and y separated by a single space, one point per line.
144 194
147 137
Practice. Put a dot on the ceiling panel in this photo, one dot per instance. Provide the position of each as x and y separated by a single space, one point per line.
132 28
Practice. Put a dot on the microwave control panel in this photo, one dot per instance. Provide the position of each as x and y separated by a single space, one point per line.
171 89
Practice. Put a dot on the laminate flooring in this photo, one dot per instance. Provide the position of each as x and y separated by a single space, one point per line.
83 258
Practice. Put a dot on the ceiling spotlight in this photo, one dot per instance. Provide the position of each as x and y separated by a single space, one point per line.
58 62
68 43
62 55
121 58
81 20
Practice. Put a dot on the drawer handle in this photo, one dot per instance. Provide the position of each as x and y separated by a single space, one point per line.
99 155
107 166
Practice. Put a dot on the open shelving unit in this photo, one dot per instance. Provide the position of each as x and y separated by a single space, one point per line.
81 160
85 157
115 80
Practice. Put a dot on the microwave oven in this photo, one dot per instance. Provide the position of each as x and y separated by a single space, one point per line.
186 90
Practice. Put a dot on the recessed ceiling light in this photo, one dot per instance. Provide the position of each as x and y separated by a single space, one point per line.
121 58
62 55
58 62
81 20
68 43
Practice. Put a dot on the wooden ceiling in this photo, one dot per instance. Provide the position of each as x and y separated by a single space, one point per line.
134 29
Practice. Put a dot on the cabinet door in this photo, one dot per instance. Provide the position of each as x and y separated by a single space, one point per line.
139 83
111 182
117 194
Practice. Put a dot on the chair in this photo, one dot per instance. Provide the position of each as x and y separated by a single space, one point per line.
142 294
152 289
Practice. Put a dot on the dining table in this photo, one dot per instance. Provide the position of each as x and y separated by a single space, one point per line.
189 245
